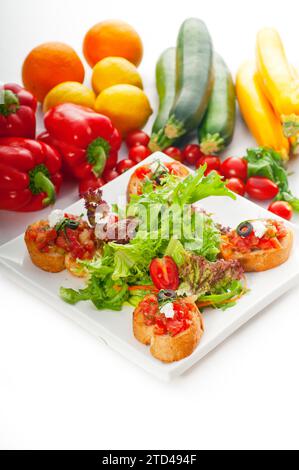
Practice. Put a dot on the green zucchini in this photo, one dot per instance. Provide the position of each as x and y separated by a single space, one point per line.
165 83
217 128
194 82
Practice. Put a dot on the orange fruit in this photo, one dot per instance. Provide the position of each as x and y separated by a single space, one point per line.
112 38
49 64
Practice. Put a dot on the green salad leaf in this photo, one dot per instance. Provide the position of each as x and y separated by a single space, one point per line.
223 296
163 229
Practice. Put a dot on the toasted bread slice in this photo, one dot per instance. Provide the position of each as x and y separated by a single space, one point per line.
135 182
52 261
169 348
142 332
262 260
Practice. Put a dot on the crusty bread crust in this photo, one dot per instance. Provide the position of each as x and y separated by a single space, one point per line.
168 348
262 260
142 332
53 261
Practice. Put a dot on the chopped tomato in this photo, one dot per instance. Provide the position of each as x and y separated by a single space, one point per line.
142 171
164 273
276 231
152 316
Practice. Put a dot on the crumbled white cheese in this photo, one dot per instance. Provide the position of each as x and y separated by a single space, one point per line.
55 217
259 228
167 309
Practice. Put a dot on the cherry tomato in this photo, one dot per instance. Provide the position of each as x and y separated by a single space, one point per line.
137 138
109 175
111 161
91 183
260 188
236 185
192 153
164 273
174 153
281 208
139 153
234 167
124 165
212 162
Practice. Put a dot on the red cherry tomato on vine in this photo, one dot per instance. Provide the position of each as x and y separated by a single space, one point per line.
137 138
260 188
124 165
192 153
139 153
174 153
236 185
234 167
164 273
281 208
91 183
212 162
109 175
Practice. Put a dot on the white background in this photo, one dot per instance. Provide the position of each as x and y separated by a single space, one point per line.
61 388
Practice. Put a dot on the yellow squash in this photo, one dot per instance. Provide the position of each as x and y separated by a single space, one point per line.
257 112
280 83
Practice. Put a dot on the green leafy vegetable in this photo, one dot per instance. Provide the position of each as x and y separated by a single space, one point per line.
266 162
223 296
168 224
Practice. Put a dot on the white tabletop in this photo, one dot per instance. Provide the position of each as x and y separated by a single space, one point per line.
60 387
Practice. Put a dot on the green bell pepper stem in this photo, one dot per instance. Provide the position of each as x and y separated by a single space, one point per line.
44 184
9 102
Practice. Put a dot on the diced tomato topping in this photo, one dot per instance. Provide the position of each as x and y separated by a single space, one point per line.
80 242
276 231
172 326
142 171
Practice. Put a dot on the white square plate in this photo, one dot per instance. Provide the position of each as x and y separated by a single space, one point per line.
115 328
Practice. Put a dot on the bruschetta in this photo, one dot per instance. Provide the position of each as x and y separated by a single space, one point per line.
258 245
172 330
59 243
155 172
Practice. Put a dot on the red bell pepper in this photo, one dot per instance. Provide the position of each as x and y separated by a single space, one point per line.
30 174
87 141
17 112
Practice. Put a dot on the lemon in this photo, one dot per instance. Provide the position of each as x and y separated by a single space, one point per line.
113 71
69 92
126 105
